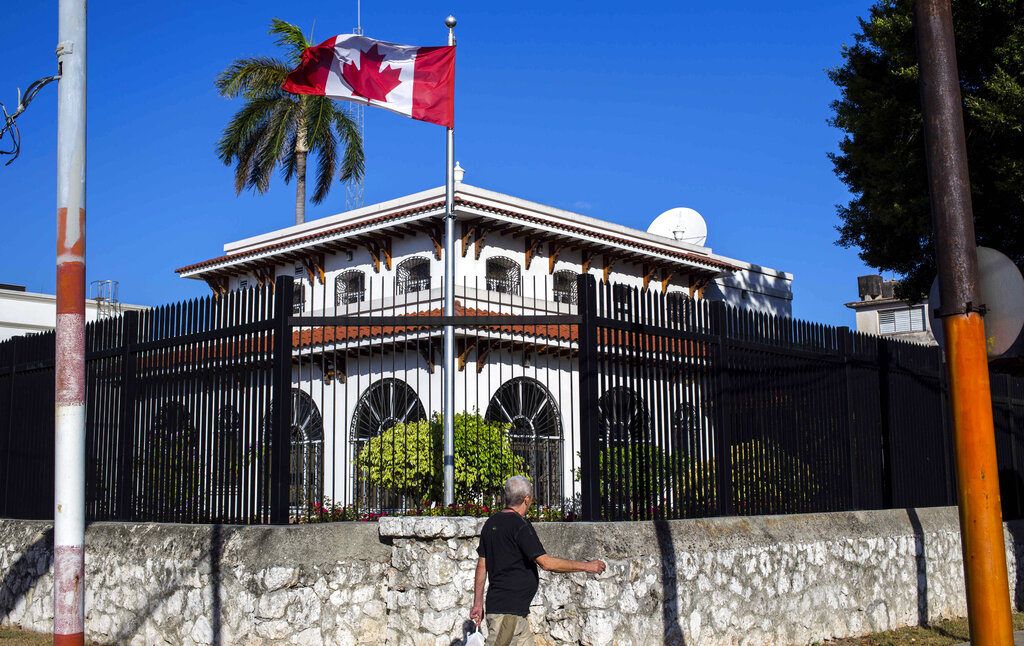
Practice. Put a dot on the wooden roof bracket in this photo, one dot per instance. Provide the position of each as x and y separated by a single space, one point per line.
380 251
436 233
479 237
218 285
428 354
586 257
468 231
314 268
467 347
481 358
648 272
532 245
554 249
265 275
609 264
666 278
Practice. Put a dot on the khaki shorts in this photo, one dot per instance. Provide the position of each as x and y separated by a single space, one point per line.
508 630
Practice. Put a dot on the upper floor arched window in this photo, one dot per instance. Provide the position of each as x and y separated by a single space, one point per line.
503 275
413 275
349 287
564 286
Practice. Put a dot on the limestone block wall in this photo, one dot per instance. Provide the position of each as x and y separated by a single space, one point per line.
759 580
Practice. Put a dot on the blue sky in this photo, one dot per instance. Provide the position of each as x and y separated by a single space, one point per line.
617 110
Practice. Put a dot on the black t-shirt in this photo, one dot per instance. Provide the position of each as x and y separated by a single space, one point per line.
509 544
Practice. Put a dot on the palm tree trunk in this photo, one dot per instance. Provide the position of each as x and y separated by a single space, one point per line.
301 150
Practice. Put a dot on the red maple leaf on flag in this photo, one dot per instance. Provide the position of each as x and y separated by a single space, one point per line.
369 80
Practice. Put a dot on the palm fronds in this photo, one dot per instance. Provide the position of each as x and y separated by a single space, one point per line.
275 129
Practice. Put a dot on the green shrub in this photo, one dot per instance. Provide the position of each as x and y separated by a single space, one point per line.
407 458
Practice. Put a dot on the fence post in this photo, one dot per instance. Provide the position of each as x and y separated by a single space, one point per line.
281 387
722 433
9 425
126 416
590 432
844 343
884 417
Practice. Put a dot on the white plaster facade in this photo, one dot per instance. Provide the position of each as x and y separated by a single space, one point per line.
879 312
23 312
539 241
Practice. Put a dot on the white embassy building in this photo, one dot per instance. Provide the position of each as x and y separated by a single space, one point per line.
514 257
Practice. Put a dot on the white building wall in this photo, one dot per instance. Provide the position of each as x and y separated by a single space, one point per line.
32 313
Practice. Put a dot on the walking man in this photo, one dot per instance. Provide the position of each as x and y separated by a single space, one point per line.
509 554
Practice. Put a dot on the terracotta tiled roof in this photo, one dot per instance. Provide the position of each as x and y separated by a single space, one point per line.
682 255
325 335
312 239
316 336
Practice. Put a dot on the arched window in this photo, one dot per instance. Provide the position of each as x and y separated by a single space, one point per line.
503 275
413 275
622 415
686 430
307 452
349 287
171 465
227 458
383 405
535 430
564 286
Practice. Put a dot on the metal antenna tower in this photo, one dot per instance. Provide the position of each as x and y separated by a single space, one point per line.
104 292
355 189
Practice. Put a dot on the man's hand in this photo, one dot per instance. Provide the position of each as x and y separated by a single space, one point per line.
477 613
596 567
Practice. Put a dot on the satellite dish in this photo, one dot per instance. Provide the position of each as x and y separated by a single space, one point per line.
1002 292
682 225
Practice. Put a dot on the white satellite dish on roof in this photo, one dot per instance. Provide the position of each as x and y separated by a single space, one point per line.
682 225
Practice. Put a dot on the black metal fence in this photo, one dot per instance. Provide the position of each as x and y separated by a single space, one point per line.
704 409
620 402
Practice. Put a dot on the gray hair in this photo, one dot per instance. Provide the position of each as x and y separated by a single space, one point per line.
517 488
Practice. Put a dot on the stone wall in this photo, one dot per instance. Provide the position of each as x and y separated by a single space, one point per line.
765 580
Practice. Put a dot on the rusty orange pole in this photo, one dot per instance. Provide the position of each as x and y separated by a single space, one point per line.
981 520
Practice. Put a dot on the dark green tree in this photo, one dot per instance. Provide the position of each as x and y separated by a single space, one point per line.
881 158
276 128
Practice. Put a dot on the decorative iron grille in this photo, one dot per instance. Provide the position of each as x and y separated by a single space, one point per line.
413 276
535 430
503 276
349 287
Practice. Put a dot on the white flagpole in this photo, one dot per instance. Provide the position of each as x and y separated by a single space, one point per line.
448 398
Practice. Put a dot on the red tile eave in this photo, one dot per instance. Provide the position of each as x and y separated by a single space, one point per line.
311 237
681 255
313 337
691 257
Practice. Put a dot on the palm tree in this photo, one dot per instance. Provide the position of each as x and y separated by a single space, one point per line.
275 128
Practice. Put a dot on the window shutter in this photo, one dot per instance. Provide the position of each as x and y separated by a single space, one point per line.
887 322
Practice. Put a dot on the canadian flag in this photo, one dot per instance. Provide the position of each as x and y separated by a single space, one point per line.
418 82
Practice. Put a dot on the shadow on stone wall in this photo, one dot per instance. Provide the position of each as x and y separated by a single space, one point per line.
1016 529
22 575
922 567
672 632
219 536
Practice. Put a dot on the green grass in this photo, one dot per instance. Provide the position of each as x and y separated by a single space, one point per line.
16 637
942 633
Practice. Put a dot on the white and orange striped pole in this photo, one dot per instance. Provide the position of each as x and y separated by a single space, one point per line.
69 423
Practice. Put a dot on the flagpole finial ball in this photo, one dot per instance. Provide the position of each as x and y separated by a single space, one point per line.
449 22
